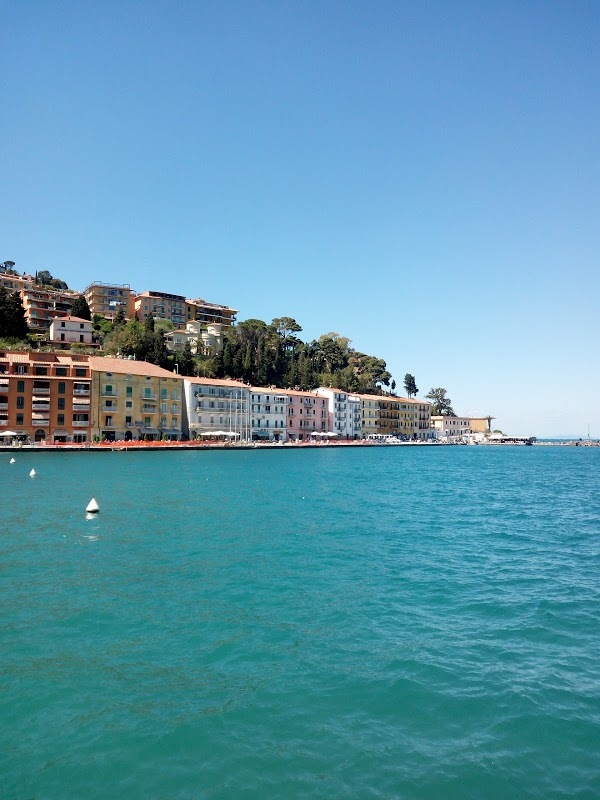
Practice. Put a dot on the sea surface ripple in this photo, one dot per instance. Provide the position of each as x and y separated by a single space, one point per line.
326 623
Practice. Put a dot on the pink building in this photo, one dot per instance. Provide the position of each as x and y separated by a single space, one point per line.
305 413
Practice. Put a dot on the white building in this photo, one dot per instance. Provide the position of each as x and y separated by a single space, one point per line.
344 412
206 340
268 414
212 405
71 329
451 429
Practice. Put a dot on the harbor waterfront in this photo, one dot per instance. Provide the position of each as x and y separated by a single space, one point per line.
354 622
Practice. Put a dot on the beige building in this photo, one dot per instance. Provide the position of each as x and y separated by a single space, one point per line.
206 340
134 400
161 305
210 313
388 415
217 407
43 305
106 299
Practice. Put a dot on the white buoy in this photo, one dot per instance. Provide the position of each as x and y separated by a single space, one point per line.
12 461
32 474
92 507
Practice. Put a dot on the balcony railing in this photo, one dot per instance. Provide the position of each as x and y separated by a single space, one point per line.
149 409
3 406
39 390
40 406
109 409
83 423
151 397
81 391
111 393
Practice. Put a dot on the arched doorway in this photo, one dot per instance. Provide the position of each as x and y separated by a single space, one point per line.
128 436
40 435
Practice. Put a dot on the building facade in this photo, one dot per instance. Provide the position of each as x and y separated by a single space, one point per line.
268 414
206 340
68 330
107 299
344 412
161 305
43 305
306 414
451 428
45 397
134 400
216 408
200 310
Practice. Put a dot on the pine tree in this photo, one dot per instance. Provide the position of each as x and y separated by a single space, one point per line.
80 308
149 324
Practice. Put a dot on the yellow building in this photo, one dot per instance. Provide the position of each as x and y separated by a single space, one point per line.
134 400
481 424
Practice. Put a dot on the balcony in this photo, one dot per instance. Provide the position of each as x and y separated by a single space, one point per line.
81 391
149 410
3 406
83 423
109 393
151 397
38 390
4 384
3 421
40 406
109 409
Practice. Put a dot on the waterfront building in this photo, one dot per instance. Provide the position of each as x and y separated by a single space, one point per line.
268 414
200 310
43 305
451 429
212 405
67 330
344 412
306 414
161 305
206 340
45 397
421 412
481 424
107 299
134 400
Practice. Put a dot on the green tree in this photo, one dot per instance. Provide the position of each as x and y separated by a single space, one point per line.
185 360
80 308
149 324
410 387
12 315
440 404
119 320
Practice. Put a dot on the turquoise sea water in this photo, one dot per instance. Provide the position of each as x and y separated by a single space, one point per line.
328 623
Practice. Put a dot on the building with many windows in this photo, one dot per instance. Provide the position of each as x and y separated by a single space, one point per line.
344 412
43 305
268 414
200 310
306 414
107 299
206 340
216 407
161 305
45 397
134 400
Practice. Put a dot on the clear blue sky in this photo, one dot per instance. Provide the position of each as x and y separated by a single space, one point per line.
420 177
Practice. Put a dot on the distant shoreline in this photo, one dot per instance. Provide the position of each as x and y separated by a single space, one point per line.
155 447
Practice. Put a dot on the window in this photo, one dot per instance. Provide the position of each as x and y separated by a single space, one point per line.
20 386
129 391
81 337
174 394
128 422
163 422
20 402
61 370
174 422
19 419
128 404
108 422
147 393
81 325
164 393
62 324
174 408
62 337
163 407
60 419
61 403
21 369
61 387
147 422
41 370
79 373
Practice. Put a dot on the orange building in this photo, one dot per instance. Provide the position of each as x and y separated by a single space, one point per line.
45 396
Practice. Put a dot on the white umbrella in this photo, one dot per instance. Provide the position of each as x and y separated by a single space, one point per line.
232 433
317 433
8 433
330 434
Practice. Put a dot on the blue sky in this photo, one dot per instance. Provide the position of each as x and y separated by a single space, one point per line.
420 177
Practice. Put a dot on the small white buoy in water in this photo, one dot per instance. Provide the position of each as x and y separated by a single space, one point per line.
92 507
12 461
32 474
